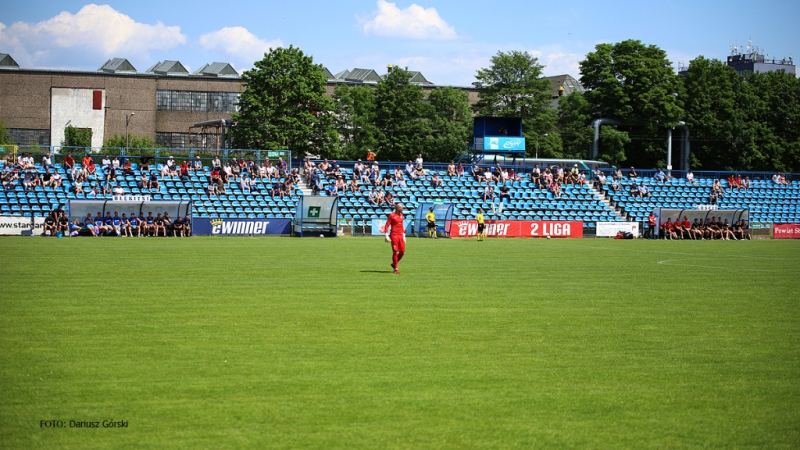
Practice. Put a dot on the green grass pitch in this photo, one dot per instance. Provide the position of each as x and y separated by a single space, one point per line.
314 343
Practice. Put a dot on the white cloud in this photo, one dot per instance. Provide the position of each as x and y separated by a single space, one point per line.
237 43
95 31
558 62
414 22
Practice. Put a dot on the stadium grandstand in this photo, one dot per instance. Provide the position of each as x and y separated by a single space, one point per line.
35 189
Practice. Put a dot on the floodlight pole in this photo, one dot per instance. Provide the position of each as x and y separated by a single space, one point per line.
128 118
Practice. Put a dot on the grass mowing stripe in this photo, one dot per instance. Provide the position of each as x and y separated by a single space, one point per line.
286 343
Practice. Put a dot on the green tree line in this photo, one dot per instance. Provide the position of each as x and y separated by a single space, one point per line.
749 122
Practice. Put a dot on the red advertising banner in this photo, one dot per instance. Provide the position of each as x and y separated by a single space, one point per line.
518 228
786 231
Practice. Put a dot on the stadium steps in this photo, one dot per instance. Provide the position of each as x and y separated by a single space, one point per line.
606 199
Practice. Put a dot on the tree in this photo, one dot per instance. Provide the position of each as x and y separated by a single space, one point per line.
514 87
774 120
284 106
451 123
134 141
574 119
4 135
355 120
635 84
77 137
401 117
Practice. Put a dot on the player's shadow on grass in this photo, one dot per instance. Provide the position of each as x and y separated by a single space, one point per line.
376 271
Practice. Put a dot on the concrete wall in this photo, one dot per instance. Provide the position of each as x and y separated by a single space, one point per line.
74 107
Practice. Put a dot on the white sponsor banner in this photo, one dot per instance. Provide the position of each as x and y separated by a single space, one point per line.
610 229
14 226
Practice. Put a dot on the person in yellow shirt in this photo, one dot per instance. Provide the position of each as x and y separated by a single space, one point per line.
431 218
481 225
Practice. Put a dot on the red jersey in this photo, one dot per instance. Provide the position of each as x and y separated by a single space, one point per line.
394 225
686 224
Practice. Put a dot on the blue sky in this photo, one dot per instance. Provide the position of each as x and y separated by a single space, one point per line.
448 41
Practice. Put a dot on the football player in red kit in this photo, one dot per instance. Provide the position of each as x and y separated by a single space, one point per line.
396 234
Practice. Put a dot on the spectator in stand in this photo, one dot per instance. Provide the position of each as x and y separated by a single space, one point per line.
716 188
644 192
419 172
555 188
145 162
47 162
119 190
451 169
372 198
106 163
184 170
370 155
216 163
111 174
436 182
353 186
235 169
460 170
387 182
115 163
536 177
381 198
632 173
412 175
488 175
69 162
330 190
746 183
211 189
505 192
341 188
154 184
197 164
783 180
660 176
389 199
56 180
776 178
513 176
127 168
88 166
276 190
164 171
28 181
634 191
488 192
689 177
9 178
601 179
477 174
418 161
244 185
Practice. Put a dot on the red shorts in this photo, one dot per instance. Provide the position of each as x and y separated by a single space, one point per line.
398 244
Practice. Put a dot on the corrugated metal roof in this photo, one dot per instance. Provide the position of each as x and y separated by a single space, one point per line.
117 65
7 62
342 75
328 74
217 69
363 75
168 67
